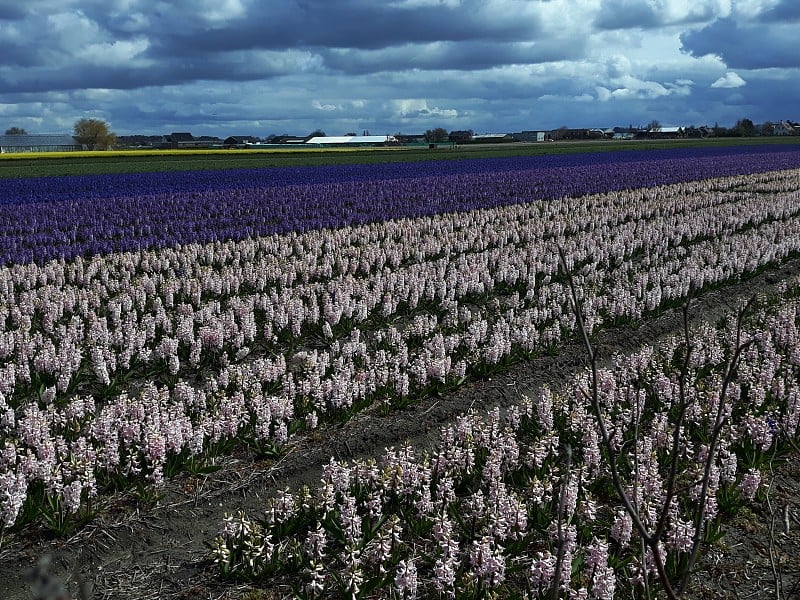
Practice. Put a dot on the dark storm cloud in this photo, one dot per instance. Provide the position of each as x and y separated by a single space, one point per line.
11 11
324 24
784 12
465 56
189 44
16 54
77 77
745 45
625 14
631 14
274 66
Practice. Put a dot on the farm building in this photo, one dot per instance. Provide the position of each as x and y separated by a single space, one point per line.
492 138
598 133
185 141
565 133
666 132
286 139
787 128
408 139
352 140
239 141
36 142
530 136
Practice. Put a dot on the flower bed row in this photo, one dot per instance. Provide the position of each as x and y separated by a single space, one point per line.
52 218
123 367
482 514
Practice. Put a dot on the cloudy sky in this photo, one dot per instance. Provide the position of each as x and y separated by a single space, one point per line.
257 67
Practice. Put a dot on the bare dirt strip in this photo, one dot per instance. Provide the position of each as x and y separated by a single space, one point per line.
136 551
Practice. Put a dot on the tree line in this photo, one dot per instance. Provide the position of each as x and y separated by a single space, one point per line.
96 134
742 128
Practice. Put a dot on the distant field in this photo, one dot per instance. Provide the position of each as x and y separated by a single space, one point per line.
141 161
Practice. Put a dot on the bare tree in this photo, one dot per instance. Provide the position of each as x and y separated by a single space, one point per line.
94 134
674 588
436 135
654 125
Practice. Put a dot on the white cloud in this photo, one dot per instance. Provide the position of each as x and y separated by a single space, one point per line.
217 11
463 64
119 53
134 22
603 93
729 80
418 107
680 87
271 61
560 98
752 8
326 107
630 86
9 32
679 10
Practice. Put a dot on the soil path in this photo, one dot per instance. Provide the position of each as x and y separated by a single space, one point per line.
135 552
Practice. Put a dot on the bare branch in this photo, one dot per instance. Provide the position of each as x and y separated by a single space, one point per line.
683 405
719 423
648 538
561 540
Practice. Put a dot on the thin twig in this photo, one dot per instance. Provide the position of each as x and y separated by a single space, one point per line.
561 541
676 438
719 423
651 539
777 573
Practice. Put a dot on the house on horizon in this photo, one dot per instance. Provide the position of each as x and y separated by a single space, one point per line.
530 135
177 140
239 141
568 133
625 133
411 138
786 128
185 140
665 133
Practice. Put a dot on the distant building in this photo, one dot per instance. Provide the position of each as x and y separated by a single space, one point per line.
460 137
352 140
787 128
625 133
665 133
492 138
566 133
703 131
186 141
530 136
411 138
286 139
35 142
139 141
706 131
239 141
178 140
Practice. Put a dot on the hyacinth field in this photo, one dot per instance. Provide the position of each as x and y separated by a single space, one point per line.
153 324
